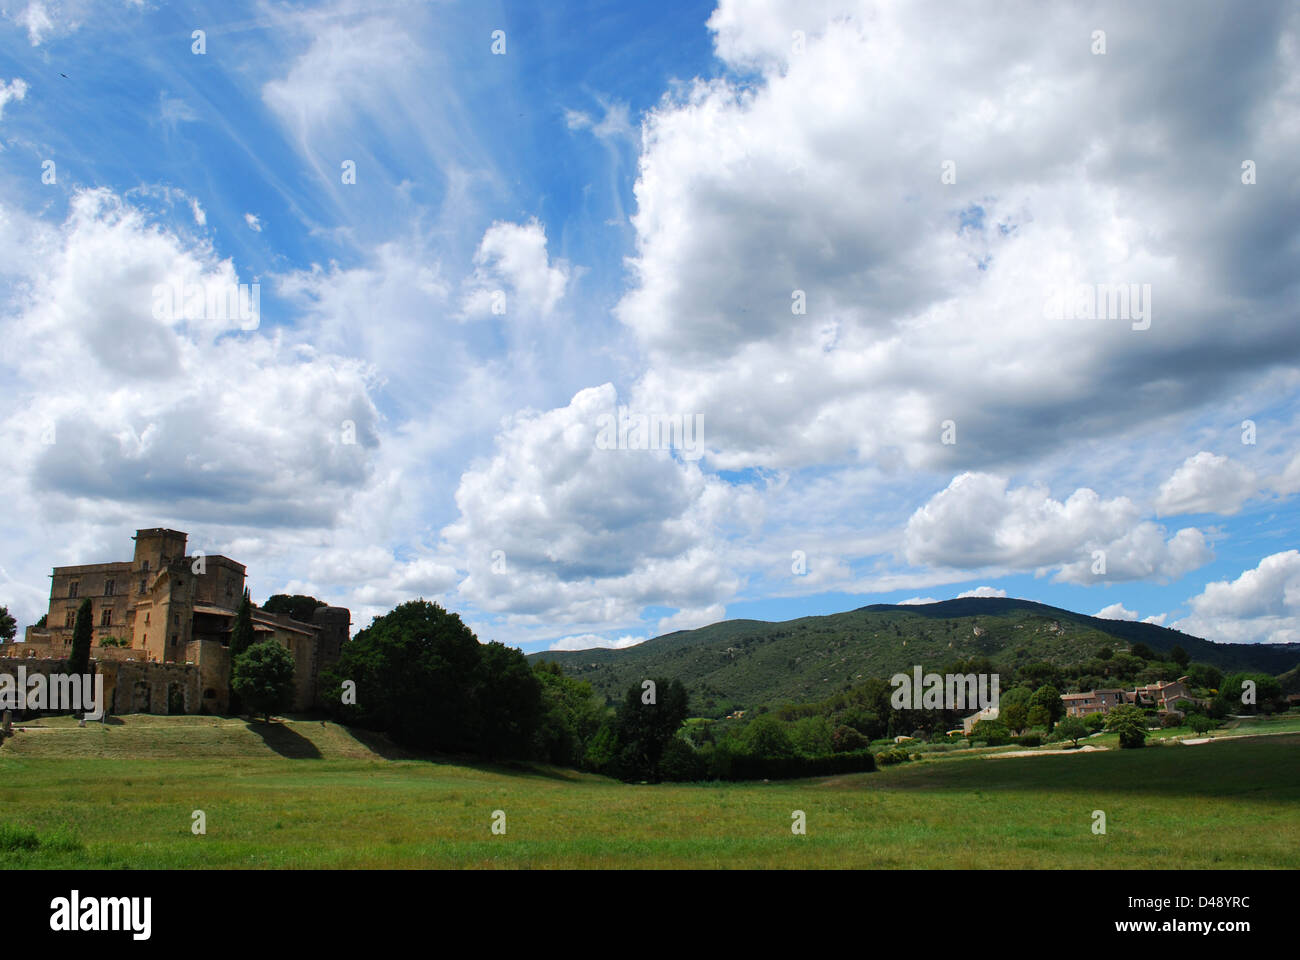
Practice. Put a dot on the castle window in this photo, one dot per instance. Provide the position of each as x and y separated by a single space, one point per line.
72 618
72 589
145 568
108 588
106 617
146 618
142 584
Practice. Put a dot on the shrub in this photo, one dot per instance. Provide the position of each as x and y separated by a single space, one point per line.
889 757
846 739
1095 722
1030 740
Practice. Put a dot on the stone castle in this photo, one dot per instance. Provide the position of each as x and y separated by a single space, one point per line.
167 618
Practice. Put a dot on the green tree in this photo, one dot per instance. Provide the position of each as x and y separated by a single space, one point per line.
1130 723
1200 723
1049 697
1013 708
1071 728
241 634
1268 694
507 700
1179 656
414 670
1105 653
8 626
83 631
994 732
767 737
297 606
846 739
1142 651
571 715
1039 716
647 719
812 736
262 676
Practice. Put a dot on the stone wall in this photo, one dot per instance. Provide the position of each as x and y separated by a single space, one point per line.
129 686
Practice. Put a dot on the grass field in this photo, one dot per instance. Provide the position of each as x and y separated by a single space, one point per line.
305 794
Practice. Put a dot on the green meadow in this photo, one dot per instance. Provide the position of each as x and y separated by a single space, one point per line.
307 794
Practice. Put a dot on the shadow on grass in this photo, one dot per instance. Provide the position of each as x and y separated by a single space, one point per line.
285 741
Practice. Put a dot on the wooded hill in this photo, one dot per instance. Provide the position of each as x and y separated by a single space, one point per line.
748 663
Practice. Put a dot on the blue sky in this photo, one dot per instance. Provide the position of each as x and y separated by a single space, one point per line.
621 210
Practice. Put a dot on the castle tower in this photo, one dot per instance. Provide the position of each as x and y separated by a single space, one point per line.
154 548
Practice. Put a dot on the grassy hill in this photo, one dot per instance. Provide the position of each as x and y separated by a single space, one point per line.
752 662
312 795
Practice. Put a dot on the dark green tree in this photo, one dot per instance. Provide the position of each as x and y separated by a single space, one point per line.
1049 697
1142 651
241 634
262 677
413 673
1180 656
507 701
298 606
647 719
83 631
8 626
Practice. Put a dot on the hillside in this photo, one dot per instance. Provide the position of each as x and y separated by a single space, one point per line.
751 662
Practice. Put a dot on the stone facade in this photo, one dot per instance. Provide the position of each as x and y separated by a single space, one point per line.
175 613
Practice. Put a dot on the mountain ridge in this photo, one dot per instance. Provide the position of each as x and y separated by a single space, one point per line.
748 663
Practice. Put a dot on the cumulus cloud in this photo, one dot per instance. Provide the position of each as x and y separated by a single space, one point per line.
552 526
1261 606
186 410
15 90
927 301
514 255
588 641
983 592
916 601
979 521
1206 483
1116 611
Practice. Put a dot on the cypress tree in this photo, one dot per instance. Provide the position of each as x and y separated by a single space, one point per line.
241 638
82 633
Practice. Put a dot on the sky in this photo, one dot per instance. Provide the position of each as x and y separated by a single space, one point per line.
869 255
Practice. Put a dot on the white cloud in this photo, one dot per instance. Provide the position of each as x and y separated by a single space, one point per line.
553 527
692 619
978 521
1116 611
253 222
14 91
588 641
37 21
916 601
1206 483
1158 619
983 592
514 255
926 301
200 216
1261 606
